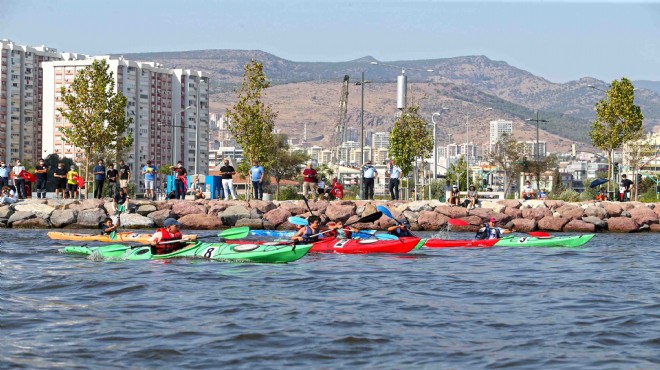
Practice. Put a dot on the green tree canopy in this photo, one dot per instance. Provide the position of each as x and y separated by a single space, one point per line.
410 138
286 165
456 173
251 121
96 112
509 156
618 119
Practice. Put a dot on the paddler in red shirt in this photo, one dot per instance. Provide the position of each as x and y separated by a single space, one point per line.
169 232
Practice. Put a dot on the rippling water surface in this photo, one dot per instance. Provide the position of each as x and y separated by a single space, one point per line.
595 307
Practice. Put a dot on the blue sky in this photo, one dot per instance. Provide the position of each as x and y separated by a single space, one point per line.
560 41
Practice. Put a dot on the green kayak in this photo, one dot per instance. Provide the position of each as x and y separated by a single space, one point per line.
266 253
554 241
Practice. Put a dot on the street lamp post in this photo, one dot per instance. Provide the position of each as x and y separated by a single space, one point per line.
467 152
361 84
537 120
174 151
435 149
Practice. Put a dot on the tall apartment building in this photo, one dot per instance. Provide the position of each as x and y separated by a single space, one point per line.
380 140
530 149
21 99
169 108
498 128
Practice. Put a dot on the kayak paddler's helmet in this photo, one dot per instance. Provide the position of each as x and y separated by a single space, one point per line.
492 220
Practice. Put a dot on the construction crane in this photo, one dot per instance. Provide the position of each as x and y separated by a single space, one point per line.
339 135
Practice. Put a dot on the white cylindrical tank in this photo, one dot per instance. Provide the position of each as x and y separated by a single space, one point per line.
401 90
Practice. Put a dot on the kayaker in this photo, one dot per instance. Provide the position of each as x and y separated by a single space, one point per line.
490 231
107 226
340 231
169 232
400 230
309 233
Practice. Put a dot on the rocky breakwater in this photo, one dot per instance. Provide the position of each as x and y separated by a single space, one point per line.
525 216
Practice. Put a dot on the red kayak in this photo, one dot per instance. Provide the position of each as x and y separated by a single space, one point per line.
361 246
444 243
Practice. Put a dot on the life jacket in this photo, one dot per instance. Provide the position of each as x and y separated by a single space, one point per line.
307 236
485 232
167 248
400 233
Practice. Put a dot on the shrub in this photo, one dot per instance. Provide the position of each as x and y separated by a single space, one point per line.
569 196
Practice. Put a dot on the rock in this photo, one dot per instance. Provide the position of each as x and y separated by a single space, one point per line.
513 212
595 211
264 206
319 207
625 214
510 203
165 205
232 214
627 206
419 205
554 204
90 218
524 225
484 213
294 207
182 208
571 212
600 224
643 215
277 216
20 215
87 204
61 203
218 208
6 211
252 223
535 203
621 225
654 228
644 228
161 215
339 212
109 208
40 210
612 209
552 223
200 222
579 227
146 209
135 221
410 216
495 207
452 212
31 223
431 221
536 214
63 217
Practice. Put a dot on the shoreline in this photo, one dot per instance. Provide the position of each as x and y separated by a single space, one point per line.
525 216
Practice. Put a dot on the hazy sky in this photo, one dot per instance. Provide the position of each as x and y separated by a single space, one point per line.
560 41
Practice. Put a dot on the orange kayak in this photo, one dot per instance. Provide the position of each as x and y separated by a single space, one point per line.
128 236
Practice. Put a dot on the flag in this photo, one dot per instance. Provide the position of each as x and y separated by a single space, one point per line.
79 180
28 176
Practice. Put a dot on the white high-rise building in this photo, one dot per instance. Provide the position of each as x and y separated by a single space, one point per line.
498 128
530 149
169 108
21 93
381 140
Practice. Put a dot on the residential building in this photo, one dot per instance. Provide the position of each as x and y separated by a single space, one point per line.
21 94
498 128
381 140
169 108
530 149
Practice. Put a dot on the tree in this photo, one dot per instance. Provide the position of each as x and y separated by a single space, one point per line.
96 112
509 156
410 138
635 155
456 172
618 119
251 121
540 167
557 184
286 164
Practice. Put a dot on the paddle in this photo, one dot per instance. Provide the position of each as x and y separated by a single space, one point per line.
307 204
457 222
295 220
387 213
366 219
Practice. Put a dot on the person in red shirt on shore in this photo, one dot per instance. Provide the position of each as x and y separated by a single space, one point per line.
310 181
168 233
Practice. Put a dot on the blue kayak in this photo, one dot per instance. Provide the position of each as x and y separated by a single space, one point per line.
289 233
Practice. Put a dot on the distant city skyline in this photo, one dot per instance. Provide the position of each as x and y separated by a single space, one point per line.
559 41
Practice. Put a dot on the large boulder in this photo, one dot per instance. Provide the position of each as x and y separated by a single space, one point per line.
146 209
419 205
20 215
484 213
554 204
165 205
621 225
232 214
200 222
579 227
643 215
182 208
135 221
40 210
524 225
31 223
62 203
87 204
277 216
161 215
513 213
595 211
218 207
537 213
263 206
552 223
296 208
571 212
63 217
654 228
597 222
510 203
252 223
612 209
495 207
452 212
340 212
6 211
90 218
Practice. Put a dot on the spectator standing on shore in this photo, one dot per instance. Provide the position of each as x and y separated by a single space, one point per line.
99 179
60 178
227 172
624 188
310 181
41 172
149 172
19 181
394 172
124 175
257 176
112 175
71 184
370 174
180 173
4 174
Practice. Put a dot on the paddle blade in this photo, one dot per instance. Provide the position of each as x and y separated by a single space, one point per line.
295 220
366 219
386 237
113 235
384 211
539 234
235 232
457 222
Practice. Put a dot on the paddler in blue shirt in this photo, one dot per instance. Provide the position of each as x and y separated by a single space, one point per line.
490 231
308 234
401 229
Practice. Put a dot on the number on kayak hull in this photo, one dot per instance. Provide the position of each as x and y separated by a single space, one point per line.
341 243
522 240
209 252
